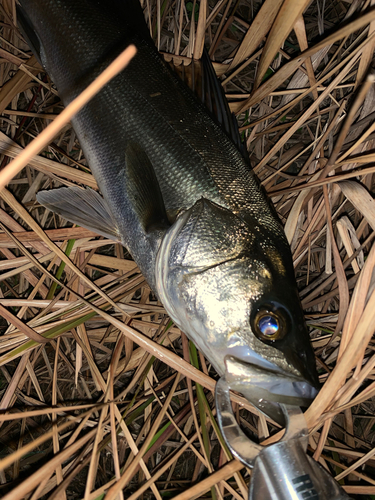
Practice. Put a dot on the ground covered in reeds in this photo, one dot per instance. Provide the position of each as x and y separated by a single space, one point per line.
96 402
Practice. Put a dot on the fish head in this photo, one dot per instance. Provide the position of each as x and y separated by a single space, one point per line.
229 284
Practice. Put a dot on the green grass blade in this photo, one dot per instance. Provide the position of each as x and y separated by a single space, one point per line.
60 270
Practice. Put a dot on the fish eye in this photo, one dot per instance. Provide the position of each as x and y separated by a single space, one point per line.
269 325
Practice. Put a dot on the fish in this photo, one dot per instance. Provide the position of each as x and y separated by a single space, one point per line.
178 193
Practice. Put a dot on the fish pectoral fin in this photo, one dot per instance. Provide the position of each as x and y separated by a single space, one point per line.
144 191
84 207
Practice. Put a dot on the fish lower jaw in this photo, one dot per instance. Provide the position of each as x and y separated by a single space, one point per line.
258 383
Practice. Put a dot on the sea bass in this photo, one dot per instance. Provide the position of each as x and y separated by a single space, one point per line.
176 192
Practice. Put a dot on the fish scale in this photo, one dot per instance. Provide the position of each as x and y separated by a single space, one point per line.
180 195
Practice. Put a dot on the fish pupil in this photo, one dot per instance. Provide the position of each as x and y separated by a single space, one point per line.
268 325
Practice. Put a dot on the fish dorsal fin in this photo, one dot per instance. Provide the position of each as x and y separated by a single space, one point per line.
144 191
215 100
30 34
84 207
201 77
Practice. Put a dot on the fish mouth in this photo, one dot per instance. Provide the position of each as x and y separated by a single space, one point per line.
261 385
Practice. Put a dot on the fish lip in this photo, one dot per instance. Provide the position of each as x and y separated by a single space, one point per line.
306 367
256 382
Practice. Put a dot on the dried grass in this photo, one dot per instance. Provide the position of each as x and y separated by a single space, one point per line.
99 392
